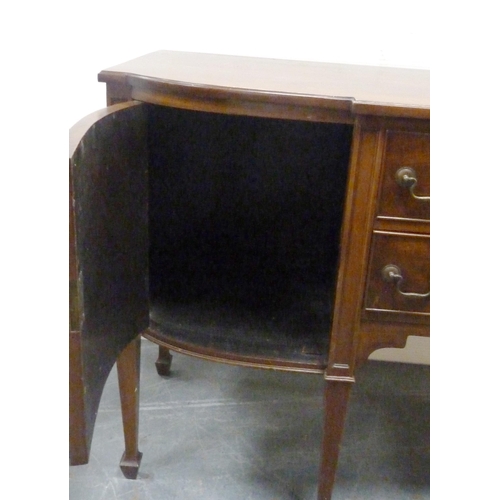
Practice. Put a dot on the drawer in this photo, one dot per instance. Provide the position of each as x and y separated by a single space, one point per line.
405 183
398 285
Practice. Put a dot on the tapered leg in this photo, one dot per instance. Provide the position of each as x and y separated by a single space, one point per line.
336 399
128 365
164 362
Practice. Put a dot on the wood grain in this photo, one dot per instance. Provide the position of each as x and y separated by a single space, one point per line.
373 89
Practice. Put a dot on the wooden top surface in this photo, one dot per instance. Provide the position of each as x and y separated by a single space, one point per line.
364 85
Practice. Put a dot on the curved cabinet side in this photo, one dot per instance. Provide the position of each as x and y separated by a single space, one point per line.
108 255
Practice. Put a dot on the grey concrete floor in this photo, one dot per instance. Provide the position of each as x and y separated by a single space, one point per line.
217 432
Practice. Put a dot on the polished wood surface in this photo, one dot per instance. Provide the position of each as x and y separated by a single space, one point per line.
411 253
370 89
128 367
403 150
336 399
360 221
250 248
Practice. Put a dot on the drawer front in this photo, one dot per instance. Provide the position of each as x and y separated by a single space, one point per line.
398 285
405 183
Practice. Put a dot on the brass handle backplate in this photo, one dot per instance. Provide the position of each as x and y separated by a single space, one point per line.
407 177
392 274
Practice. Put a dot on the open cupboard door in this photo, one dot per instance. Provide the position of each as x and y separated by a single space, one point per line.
108 266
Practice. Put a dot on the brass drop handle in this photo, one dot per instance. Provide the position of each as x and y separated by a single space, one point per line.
407 177
392 274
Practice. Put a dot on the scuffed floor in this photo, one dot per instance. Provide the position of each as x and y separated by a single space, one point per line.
217 432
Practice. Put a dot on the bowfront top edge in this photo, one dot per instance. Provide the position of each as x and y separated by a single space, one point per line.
363 89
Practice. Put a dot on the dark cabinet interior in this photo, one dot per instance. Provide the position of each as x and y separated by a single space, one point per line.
244 231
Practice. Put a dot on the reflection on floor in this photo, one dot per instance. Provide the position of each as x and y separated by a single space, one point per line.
217 432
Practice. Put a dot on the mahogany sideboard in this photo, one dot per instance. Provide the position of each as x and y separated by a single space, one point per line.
259 212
